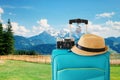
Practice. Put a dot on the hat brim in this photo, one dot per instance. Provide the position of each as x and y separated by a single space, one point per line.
86 53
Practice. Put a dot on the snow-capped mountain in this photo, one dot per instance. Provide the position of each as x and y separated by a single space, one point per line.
113 43
46 42
43 43
43 38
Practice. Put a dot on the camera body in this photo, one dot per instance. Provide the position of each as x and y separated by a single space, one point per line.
65 43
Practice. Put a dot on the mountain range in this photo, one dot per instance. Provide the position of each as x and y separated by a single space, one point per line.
113 43
44 43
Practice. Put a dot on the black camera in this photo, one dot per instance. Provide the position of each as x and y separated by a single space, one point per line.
66 43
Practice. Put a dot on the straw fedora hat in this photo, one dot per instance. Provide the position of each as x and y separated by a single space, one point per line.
89 45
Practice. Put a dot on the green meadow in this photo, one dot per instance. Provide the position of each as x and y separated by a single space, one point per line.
20 70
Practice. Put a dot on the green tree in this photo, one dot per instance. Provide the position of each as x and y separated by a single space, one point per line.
8 39
1 40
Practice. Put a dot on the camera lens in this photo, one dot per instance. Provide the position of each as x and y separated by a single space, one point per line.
59 43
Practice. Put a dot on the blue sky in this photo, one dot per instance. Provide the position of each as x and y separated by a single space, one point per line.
54 14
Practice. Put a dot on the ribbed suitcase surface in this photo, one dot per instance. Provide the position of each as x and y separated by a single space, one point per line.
69 66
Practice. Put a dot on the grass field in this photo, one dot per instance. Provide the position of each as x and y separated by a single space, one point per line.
20 70
115 72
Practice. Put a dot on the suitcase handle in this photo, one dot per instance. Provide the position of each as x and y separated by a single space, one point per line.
78 21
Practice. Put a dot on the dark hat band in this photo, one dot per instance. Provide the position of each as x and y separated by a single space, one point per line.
90 49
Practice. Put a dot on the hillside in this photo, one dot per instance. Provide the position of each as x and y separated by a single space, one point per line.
22 43
43 38
44 43
113 43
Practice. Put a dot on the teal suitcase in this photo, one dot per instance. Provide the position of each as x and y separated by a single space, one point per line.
69 66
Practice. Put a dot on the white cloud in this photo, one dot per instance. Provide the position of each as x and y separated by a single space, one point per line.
1 20
105 15
1 10
19 30
115 25
109 29
23 31
43 23
43 26
4 26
